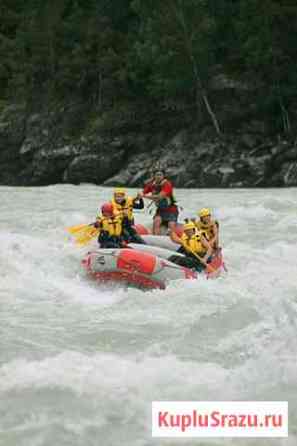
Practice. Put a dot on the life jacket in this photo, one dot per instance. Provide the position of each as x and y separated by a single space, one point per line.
126 205
171 201
194 243
207 229
111 225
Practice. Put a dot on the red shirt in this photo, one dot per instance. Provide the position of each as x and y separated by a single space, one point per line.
166 189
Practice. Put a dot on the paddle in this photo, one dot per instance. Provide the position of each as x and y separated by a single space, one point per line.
83 233
148 207
78 228
86 236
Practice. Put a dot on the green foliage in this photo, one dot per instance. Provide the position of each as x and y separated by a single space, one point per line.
267 31
108 52
174 41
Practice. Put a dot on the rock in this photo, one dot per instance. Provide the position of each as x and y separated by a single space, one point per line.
256 127
29 146
117 142
94 168
124 177
135 173
249 141
34 119
224 82
226 170
286 175
42 149
290 154
289 171
178 141
4 127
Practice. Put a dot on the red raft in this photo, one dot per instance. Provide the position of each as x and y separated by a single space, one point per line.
141 269
216 266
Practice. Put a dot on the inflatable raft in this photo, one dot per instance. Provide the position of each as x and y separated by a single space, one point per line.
133 267
214 268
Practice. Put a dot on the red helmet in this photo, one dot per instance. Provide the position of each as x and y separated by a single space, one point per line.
107 209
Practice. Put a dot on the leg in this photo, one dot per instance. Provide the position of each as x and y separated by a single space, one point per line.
181 261
170 219
106 242
157 225
131 236
171 225
187 261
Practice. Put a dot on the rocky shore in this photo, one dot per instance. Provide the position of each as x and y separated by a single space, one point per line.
36 150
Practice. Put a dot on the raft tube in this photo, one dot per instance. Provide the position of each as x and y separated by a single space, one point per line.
141 269
162 241
141 229
216 266
213 270
155 250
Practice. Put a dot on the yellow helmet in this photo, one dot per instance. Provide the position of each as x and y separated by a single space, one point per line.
205 212
119 191
188 226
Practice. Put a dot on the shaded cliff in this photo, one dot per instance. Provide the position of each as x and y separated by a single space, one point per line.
70 145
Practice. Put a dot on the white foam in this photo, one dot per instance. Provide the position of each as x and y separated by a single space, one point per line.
64 340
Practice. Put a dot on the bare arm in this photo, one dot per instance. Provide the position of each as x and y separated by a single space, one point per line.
215 238
175 238
208 247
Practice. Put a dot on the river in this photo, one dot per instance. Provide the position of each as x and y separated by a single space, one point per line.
80 364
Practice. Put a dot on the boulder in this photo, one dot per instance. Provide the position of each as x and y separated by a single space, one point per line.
286 175
94 168
248 140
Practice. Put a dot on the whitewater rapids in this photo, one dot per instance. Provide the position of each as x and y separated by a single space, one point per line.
80 364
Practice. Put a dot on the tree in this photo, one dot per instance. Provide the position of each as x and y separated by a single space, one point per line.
175 39
267 31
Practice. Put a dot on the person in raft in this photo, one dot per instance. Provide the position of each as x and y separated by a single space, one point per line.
208 227
124 205
194 246
160 191
110 225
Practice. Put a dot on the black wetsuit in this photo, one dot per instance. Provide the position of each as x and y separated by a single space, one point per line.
189 261
129 232
107 241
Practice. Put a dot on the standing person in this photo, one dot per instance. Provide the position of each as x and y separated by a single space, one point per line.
160 191
124 205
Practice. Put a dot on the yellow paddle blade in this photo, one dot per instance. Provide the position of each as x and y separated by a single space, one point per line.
84 238
77 228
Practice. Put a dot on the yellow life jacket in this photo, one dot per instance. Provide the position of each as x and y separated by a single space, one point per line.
194 243
124 208
207 230
111 225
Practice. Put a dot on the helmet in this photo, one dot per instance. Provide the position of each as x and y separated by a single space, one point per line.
107 209
119 191
205 212
189 226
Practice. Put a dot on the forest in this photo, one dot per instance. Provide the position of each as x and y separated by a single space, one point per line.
113 54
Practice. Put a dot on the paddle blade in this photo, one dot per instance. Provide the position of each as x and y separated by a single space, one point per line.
85 237
75 229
